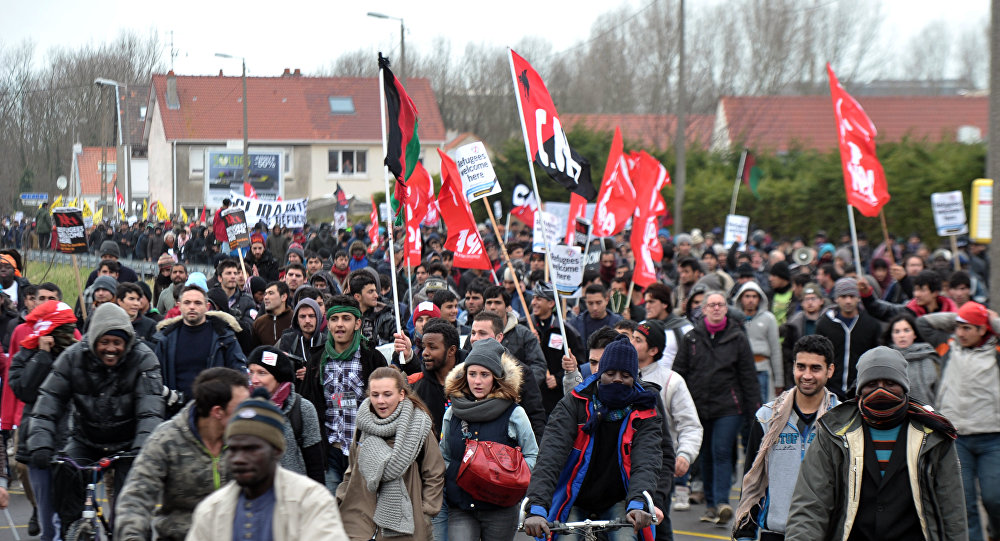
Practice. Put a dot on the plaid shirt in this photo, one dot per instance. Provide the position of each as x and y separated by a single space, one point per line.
344 390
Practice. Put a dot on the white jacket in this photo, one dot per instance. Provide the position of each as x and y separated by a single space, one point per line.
682 416
303 509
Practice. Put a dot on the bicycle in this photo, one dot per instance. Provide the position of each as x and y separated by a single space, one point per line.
85 528
588 529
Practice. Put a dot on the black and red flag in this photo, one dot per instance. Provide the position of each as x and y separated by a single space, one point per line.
545 137
342 199
401 123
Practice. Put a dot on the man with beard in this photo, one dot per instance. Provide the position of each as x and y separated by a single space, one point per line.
550 338
260 257
322 241
474 301
272 502
267 328
168 297
304 339
801 323
851 331
689 271
882 466
441 354
405 351
779 439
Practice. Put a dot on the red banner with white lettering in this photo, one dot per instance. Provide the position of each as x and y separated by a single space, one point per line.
650 176
463 236
616 200
546 139
577 209
864 179
417 203
373 229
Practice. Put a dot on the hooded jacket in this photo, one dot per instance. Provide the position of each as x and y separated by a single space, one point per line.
825 502
277 244
849 342
267 265
295 344
225 350
523 344
174 468
332 285
115 408
762 331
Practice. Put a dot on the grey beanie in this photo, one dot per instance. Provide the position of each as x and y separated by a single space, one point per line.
487 353
683 237
845 286
107 283
882 363
110 247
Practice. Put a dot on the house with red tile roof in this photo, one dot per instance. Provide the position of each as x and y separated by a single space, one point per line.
779 123
650 132
88 166
325 131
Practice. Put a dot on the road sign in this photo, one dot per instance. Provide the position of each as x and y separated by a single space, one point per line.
34 198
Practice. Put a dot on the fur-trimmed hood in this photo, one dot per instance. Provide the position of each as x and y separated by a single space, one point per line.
512 377
227 318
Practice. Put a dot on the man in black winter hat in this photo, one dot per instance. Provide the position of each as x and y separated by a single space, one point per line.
110 250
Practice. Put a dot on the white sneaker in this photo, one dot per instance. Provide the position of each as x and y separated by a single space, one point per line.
682 498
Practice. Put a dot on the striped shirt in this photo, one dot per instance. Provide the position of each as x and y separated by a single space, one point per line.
884 441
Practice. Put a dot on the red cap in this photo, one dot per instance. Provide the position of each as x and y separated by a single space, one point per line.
426 308
973 313
255 238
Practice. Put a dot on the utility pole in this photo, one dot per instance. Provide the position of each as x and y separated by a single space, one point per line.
246 135
680 170
993 148
402 43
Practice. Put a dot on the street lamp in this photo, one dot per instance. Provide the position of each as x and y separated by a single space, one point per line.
101 81
402 42
246 136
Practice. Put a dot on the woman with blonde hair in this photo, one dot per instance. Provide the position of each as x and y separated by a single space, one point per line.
484 393
395 479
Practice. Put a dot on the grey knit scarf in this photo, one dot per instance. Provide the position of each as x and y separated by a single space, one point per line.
383 465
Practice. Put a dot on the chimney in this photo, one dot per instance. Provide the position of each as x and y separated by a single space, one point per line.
286 73
220 73
173 102
298 72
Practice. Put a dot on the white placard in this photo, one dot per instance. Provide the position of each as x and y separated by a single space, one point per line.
383 211
289 213
476 170
553 231
949 213
737 230
567 268
339 220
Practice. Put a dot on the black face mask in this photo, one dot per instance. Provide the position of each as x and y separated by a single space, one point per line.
882 409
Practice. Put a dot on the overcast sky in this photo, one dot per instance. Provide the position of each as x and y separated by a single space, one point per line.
273 35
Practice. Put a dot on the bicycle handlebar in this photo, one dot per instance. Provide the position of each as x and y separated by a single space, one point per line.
605 524
100 464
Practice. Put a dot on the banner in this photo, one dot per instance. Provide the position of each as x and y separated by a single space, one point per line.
553 228
70 231
463 236
524 205
236 228
474 166
224 174
417 204
567 268
88 217
864 179
290 213
737 230
616 201
373 228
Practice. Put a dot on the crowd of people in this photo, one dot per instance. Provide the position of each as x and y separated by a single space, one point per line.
291 394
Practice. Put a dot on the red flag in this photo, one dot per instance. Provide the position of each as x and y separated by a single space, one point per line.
373 229
119 199
546 138
864 179
616 202
202 219
524 206
577 209
463 236
417 205
649 176
248 191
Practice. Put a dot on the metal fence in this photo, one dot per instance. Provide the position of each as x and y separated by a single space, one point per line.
87 262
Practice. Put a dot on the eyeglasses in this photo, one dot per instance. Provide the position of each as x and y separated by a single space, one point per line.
715 305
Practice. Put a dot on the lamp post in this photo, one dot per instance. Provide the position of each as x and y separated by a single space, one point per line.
402 42
101 81
246 136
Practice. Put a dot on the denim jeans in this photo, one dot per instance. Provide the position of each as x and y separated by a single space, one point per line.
48 519
717 457
495 525
440 522
764 379
979 455
336 465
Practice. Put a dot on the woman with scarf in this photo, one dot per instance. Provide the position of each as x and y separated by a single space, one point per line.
484 393
395 480
923 364
272 370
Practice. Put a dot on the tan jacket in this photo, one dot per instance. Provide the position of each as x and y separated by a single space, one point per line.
424 482
304 509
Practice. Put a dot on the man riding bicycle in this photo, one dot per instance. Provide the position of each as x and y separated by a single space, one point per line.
608 420
112 384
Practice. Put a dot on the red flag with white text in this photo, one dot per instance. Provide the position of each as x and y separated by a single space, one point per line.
546 139
616 200
248 191
577 209
649 176
373 229
463 236
417 204
523 205
864 179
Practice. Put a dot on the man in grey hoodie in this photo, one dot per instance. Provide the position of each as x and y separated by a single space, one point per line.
762 331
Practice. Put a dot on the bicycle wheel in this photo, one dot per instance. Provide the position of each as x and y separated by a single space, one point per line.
81 530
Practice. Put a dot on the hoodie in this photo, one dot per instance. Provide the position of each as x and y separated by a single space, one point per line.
298 346
762 331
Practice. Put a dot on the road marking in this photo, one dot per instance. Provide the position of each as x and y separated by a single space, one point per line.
705 535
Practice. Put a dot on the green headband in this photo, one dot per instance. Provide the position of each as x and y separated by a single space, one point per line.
339 309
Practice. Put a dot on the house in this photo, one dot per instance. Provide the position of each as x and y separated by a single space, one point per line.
779 123
85 177
651 132
306 136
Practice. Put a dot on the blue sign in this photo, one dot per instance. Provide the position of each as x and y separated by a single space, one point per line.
34 197
224 172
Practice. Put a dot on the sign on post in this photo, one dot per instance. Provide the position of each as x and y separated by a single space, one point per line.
474 166
949 213
981 211
70 230
34 198
339 221
567 268
224 173
236 228
553 231
737 230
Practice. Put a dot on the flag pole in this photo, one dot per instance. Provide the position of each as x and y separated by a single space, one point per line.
506 256
538 198
854 242
736 183
385 176
406 256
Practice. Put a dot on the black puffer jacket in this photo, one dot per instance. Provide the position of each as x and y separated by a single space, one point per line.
719 372
115 408
28 370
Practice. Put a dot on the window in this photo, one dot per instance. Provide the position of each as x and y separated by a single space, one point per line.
342 105
196 161
289 154
347 162
112 169
142 113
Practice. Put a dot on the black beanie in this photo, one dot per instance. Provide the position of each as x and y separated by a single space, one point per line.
620 355
780 269
655 335
275 361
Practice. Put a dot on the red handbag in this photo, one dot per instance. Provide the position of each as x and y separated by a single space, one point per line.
494 473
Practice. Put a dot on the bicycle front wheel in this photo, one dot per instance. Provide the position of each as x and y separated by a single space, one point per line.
81 530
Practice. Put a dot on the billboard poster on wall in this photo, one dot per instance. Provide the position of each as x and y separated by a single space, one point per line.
224 172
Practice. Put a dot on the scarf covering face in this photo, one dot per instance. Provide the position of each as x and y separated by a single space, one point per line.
882 409
383 466
613 402
45 319
330 350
